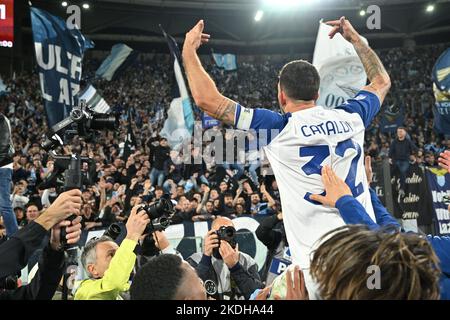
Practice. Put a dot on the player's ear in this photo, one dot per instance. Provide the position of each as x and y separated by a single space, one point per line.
281 96
316 97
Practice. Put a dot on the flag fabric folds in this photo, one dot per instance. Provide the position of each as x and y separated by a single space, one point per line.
441 88
3 89
179 124
130 140
392 117
226 61
119 59
94 100
341 72
59 52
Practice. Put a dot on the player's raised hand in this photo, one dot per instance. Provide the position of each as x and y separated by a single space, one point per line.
344 27
335 188
444 160
195 37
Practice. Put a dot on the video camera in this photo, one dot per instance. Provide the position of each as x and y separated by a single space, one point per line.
83 121
67 175
228 234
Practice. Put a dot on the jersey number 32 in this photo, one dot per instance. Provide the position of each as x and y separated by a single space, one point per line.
320 152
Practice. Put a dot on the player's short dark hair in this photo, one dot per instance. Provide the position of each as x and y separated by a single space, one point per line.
300 80
227 195
158 279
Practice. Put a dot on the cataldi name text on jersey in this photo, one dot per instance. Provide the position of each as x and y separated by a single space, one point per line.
327 128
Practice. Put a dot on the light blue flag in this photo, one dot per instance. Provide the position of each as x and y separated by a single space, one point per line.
226 61
179 125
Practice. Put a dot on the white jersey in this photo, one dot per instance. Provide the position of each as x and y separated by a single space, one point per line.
307 140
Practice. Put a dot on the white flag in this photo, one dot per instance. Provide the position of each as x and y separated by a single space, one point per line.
341 72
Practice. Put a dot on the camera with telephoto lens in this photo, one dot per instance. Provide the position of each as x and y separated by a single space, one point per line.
161 207
113 231
228 234
157 224
158 213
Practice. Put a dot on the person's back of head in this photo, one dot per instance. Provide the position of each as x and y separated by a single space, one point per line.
357 263
300 80
167 277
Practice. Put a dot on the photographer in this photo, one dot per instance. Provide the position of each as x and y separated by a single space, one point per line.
108 265
16 251
278 255
235 274
154 244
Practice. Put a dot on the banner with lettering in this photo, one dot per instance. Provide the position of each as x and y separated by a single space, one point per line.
377 181
439 183
341 72
208 122
59 52
441 88
415 203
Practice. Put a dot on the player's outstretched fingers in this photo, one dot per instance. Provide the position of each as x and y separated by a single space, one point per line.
325 177
318 198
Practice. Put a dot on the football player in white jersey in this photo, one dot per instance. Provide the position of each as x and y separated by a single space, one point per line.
309 136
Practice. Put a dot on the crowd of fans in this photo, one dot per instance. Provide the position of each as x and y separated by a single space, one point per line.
200 192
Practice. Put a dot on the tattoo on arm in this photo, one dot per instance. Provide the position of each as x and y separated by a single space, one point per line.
225 111
373 66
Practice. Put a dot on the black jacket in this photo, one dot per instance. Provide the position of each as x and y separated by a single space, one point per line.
45 282
14 255
17 250
242 281
267 234
401 150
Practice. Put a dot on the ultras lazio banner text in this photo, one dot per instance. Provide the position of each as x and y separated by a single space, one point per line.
59 52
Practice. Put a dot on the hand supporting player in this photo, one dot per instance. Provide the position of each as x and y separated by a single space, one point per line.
335 188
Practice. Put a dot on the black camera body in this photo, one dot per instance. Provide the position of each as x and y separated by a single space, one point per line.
159 213
82 121
9 282
162 206
113 231
157 224
225 233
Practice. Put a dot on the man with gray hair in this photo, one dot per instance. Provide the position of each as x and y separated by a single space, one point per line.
108 265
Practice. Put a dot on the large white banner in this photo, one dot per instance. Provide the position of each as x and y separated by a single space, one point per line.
341 72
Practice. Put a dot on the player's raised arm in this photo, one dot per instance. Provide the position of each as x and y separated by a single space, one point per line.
376 73
203 88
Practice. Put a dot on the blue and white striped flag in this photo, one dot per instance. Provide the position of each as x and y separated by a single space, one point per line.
119 59
94 100
179 124
3 89
226 61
